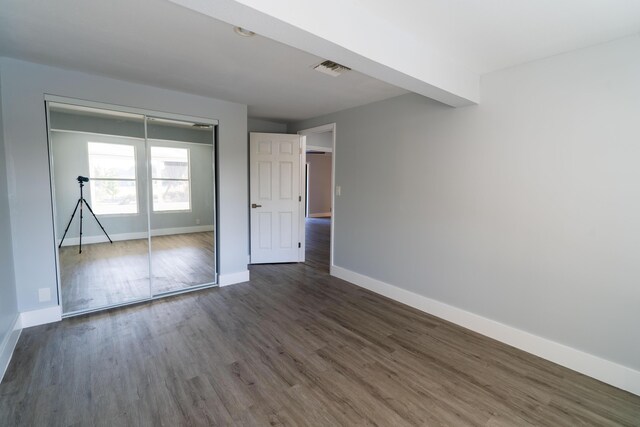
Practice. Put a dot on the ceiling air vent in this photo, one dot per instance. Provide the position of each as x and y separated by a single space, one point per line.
332 68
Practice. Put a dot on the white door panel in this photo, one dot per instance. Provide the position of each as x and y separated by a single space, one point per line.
275 197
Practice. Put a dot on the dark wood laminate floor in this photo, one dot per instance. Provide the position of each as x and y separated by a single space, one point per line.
318 237
106 274
292 347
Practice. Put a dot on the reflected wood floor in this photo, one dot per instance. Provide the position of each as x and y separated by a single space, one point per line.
294 346
106 274
182 260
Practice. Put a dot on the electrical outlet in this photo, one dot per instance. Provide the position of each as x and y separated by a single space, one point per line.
338 190
44 294
197 221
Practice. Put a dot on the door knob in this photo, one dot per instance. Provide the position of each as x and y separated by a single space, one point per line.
253 205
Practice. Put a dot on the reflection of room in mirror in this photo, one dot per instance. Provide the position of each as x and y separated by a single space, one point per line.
161 187
104 274
108 274
182 204
108 148
182 260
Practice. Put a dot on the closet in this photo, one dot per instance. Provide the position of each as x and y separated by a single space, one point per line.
134 203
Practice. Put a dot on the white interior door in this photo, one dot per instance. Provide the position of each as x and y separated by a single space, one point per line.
275 197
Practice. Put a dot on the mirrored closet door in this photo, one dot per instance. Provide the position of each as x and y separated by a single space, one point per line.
100 195
182 204
134 205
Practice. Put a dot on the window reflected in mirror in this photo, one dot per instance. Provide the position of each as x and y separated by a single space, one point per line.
112 170
170 177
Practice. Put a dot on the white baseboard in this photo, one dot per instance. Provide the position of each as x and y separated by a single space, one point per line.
604 370
233 278
8 345
181 230
40 317
74 241
320 215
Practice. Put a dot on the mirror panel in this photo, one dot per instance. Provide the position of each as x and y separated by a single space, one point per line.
182 207
108 149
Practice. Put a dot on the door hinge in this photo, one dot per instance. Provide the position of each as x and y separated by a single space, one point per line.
299 244
299 198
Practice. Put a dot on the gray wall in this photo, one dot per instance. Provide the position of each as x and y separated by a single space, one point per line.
70 159
524 209
8 307
104 125
133 127
266 126
319 183
324 139
24 85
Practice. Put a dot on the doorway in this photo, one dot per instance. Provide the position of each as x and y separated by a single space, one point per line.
319 183
276 208
279 210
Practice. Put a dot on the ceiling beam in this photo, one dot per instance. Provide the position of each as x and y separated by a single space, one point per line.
344 31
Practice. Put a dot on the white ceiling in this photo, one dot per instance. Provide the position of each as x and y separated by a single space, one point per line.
159 43
488 35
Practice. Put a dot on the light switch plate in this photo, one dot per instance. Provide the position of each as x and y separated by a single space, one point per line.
338 190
